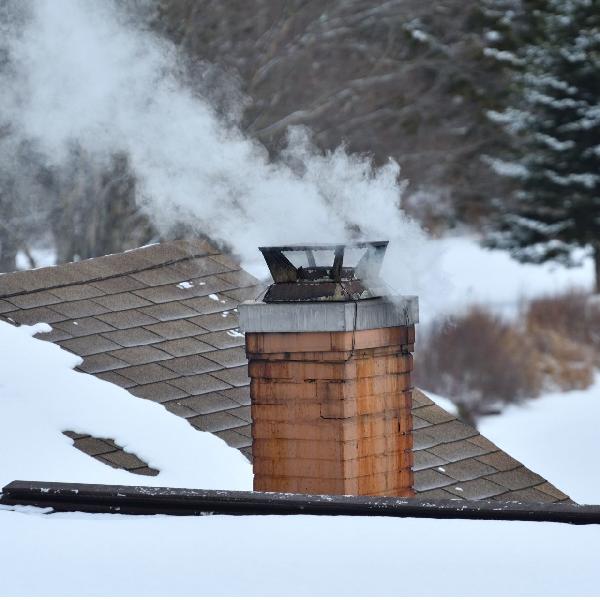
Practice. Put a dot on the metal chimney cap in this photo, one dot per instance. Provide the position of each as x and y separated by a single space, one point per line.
320 272
294 247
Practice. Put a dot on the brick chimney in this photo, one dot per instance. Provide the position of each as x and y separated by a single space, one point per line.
330 362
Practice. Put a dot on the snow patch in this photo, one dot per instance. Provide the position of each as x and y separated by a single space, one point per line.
235 333
556 436
41 396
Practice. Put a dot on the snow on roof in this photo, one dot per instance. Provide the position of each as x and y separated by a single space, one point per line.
159 321
41 396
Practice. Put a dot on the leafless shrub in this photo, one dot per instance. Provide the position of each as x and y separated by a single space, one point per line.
478 361
481 362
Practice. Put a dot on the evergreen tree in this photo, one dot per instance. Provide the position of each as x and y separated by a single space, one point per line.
554 123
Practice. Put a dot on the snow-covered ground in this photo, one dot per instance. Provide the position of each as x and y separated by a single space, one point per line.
294 555
474 275
556 435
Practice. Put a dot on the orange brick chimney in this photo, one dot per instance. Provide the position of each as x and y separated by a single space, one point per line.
330 362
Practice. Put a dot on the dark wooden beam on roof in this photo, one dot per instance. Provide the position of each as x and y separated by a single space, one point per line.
143 500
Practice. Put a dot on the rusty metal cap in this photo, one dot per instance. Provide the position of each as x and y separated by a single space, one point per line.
324 272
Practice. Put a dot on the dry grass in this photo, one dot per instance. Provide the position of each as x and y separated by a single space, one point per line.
565 329
574 315
563 364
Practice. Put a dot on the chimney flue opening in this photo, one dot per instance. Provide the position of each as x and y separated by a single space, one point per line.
324 272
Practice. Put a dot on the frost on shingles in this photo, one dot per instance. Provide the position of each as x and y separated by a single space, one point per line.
41 396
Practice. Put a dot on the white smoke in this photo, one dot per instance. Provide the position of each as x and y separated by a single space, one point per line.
80 71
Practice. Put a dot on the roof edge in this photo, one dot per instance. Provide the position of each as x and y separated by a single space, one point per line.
68 497
103 267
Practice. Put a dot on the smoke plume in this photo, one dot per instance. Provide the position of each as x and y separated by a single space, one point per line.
81 71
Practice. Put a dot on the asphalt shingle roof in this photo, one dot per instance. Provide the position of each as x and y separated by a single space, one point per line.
161 321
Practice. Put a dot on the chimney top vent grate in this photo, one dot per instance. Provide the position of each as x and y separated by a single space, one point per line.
324 272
